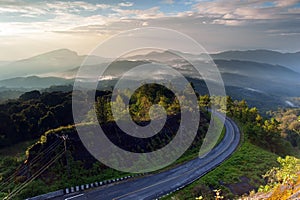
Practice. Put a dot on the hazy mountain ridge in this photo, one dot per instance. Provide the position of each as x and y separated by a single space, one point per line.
63 60
164 56
255 69
260 76
291 60
34 82
249 79
50 62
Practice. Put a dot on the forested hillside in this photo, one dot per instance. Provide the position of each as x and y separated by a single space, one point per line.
32 114
47 118
253 165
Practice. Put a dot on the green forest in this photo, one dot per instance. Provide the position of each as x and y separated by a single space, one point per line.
37 131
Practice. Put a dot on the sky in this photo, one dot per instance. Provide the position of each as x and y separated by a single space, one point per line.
31 27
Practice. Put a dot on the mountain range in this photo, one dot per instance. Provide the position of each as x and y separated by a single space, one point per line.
50 62
290 60
63 61
271 75
34 82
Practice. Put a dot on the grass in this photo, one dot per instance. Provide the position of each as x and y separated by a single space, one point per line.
248 161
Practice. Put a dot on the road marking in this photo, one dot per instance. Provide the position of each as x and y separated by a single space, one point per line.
189 171
79 195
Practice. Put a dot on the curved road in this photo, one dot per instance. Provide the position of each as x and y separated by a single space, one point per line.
157 185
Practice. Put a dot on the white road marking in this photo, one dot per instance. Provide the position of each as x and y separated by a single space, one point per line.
79 195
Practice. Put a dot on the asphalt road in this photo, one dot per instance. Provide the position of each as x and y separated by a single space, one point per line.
157 185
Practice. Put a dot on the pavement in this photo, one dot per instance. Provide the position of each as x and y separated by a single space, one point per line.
157 185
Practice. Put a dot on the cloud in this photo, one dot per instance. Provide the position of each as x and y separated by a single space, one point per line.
126 4
65 16
229 22
286 3
57 16
13 8
216 24
76 6
150 13
168 2
240 12
145 23
44 8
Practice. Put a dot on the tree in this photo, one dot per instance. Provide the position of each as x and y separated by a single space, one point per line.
48 122
204 102
287 173
258 119
101 110
119 108
230 105
174 107
219 102
295 125
143 108
8 132
30 95
271 130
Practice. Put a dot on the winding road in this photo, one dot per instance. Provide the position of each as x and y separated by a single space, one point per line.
157 185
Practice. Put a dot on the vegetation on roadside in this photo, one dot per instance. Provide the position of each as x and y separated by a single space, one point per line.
258 154
243 169
286 174
76 165
283 182
263 141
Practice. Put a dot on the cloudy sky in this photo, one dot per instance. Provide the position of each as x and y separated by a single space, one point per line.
31 27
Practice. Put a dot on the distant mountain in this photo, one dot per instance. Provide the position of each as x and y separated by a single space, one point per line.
254 70
34 82
6 94
264 85
247 74
262 77
264 101
163 56
64 78
114 69
54 61
291 60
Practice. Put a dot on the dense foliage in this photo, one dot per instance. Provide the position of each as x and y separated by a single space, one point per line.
48 117
236 176
76 165
241 173
287 173
289 120
32 114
